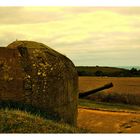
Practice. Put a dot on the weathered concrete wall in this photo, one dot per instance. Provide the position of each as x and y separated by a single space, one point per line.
34 74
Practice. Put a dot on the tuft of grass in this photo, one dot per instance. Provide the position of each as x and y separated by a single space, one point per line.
16 121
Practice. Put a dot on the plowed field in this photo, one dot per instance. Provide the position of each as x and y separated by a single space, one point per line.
121 85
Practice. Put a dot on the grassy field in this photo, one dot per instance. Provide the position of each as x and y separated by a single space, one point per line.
125 90
16 121
89 104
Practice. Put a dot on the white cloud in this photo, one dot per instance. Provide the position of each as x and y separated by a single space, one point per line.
83 33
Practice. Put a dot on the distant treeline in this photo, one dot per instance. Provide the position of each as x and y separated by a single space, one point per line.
107 71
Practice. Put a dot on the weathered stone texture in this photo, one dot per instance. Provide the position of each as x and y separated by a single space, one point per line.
34 74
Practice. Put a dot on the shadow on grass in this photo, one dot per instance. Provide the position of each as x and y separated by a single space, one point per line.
28 108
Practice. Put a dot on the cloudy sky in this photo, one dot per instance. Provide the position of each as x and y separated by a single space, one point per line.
107 36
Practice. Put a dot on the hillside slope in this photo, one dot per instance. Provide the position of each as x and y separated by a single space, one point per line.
107 71
15 121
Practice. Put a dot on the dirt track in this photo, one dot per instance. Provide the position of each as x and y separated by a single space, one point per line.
98 121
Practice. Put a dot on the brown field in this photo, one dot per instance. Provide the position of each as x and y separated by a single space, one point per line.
121 85
126 90
98 121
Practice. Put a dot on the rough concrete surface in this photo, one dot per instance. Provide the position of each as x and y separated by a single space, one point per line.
34 74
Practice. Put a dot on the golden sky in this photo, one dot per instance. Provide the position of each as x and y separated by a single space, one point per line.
108 36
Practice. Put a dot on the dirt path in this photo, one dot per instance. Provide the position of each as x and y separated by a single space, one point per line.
98 121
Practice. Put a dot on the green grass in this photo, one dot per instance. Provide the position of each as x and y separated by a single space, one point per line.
108 106
16 121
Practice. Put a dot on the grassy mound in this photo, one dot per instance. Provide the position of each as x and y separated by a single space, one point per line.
16 121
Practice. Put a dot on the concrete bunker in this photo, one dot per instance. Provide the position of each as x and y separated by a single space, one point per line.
32 73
